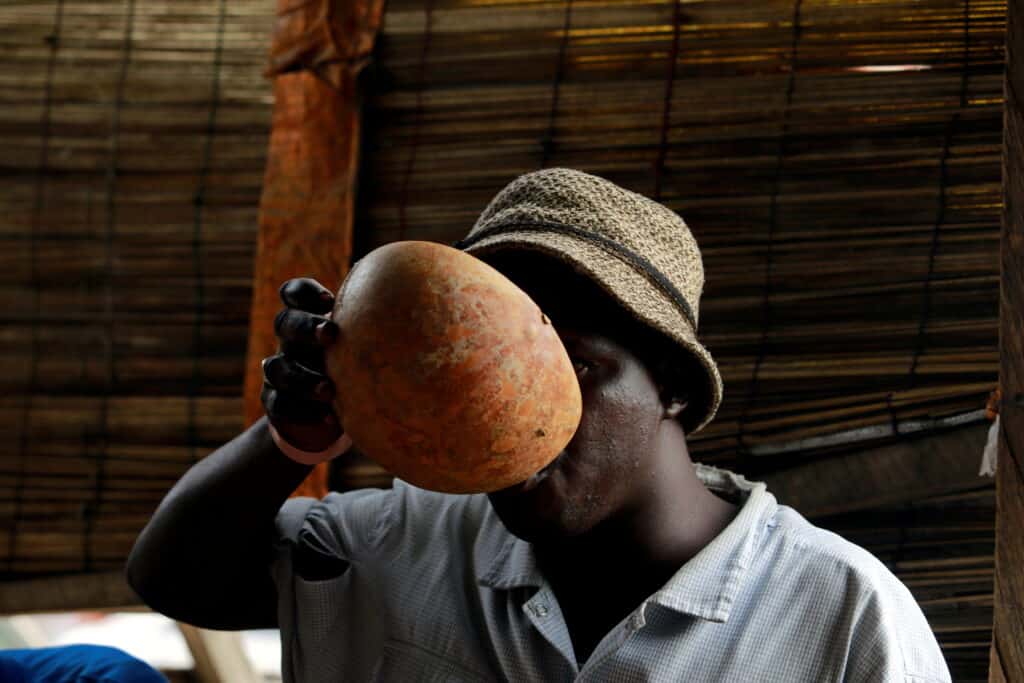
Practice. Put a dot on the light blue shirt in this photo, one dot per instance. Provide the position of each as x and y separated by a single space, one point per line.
439 590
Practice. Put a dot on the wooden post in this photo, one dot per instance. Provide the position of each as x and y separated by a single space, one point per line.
306 209
1008 630
219 656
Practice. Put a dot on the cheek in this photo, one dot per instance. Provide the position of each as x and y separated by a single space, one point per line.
617 431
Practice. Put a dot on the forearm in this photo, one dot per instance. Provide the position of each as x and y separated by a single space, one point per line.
203 557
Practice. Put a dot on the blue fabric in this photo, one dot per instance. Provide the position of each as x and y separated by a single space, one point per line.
75 664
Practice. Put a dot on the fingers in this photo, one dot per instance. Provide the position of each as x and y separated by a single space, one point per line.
306 294
309 357
294 326
298 402
292 378
297 396
283 409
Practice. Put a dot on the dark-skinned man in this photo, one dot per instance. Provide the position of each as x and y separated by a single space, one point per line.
621 561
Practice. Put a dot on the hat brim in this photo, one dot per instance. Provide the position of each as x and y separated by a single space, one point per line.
635 292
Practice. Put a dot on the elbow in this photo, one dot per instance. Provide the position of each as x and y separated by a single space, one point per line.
136 576
171 589
143 574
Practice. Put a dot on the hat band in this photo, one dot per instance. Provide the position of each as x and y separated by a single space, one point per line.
636 261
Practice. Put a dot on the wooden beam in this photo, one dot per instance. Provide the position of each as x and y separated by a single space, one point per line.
1008 644
307 205
913 469
219 656
68 593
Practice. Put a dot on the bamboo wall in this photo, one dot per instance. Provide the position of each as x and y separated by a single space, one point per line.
134 134
848 213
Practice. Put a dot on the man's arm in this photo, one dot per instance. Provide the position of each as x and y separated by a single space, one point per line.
204 558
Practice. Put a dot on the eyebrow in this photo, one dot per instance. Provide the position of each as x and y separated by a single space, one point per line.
592 341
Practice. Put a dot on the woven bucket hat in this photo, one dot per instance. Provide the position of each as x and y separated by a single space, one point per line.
639 252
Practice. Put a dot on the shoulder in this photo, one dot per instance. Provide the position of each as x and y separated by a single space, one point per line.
428 514
887 632
819 550
368 519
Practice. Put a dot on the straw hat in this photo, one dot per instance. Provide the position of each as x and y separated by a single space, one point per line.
640 252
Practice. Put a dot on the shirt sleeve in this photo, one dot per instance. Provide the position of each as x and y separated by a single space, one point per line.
345 526
891 639
316 602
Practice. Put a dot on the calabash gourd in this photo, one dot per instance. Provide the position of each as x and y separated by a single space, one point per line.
447 373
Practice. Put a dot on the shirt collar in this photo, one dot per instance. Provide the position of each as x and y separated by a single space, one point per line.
704 587
505 561
708 584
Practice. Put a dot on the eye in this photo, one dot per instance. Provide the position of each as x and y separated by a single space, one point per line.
581 366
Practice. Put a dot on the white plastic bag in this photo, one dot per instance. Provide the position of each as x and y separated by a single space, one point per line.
988 456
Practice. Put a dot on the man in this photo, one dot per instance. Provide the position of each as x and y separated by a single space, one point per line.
621 561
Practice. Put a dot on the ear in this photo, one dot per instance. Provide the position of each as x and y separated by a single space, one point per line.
674 407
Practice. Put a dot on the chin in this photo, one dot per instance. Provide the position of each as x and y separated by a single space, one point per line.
553 505
536 524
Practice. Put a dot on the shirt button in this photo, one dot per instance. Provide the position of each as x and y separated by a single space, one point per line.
635 623
540 611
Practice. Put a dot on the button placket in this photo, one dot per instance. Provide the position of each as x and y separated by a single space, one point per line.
542 612
613 643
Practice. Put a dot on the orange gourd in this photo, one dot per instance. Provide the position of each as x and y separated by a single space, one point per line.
447 373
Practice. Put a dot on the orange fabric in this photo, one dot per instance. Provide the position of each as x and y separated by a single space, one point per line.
306 209
992 405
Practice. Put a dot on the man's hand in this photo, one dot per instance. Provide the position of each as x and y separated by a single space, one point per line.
297 394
